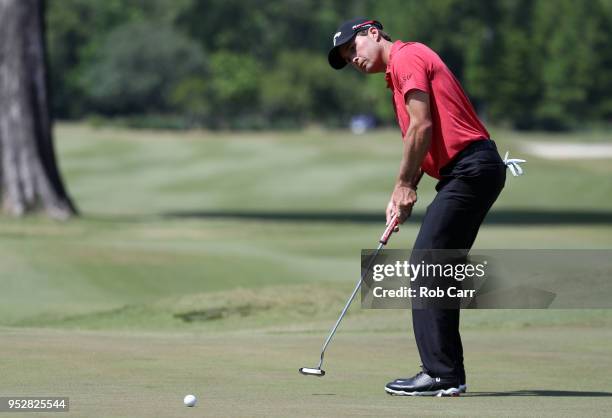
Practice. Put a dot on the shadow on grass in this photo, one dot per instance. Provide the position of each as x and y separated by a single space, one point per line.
499 217
537 392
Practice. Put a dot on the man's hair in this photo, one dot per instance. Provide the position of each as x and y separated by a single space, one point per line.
383 34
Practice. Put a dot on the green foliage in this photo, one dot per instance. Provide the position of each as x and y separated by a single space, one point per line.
137 68
230 63
74 29
517 88
234 80
566 38
190 97
301 87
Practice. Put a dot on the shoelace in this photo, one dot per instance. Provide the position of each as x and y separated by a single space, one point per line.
513 165
420 373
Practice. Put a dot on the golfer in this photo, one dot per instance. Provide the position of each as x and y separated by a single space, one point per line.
443 138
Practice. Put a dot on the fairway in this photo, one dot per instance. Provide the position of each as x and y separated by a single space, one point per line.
215 264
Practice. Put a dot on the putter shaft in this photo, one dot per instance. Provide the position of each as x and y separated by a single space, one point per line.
382 242
348 304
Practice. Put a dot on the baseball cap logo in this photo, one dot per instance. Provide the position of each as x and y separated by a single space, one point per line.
365 25
336 36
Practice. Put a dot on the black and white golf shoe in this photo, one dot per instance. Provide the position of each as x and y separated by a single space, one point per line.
423 384
462 386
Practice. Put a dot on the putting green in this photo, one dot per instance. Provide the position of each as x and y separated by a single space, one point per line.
518 372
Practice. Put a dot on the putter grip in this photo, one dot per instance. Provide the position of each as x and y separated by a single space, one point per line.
387 234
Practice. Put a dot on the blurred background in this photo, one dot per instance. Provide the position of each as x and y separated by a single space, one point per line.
263 64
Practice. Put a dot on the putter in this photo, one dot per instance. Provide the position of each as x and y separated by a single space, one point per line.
317 371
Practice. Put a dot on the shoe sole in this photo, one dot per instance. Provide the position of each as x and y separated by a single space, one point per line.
439 393
462 387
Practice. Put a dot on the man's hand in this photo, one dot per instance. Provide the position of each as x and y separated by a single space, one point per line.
402 200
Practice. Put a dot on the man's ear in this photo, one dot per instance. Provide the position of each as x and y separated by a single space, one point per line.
374 33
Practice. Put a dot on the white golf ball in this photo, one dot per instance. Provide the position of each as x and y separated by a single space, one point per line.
190 400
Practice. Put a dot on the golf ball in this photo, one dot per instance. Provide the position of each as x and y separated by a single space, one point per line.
190 400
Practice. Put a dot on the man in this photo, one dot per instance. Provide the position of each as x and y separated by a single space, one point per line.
443 138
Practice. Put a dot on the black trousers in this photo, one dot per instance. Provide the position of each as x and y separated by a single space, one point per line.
469 186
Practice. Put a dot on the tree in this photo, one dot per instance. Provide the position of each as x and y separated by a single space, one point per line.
138 66
233 86
30 177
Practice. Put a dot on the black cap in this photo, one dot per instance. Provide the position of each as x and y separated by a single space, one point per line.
344 34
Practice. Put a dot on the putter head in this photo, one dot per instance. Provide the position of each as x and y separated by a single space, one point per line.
312 372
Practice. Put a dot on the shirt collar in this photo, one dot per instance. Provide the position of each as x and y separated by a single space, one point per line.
396 45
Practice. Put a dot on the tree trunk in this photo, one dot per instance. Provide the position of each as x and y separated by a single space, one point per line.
30 179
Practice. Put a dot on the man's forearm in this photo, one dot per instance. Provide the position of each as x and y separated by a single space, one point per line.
416 144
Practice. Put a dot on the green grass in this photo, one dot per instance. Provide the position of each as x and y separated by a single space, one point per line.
204 262
518 372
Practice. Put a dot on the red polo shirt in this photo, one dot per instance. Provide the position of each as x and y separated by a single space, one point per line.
414 66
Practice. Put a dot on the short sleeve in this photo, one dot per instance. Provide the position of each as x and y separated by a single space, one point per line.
411 73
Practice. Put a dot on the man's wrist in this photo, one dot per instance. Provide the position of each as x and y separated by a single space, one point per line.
405 183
